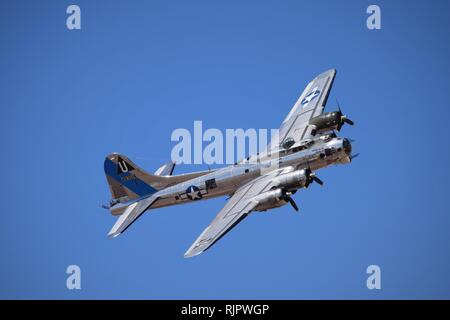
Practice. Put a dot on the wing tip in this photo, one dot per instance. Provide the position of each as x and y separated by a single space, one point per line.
327 73
113 235
188 254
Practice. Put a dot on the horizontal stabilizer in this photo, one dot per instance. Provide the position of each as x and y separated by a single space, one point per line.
166 169
131 213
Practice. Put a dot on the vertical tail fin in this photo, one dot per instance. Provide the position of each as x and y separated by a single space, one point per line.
126 180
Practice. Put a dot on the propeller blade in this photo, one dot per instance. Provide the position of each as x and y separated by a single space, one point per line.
354 156
308 171
307 183
316 179
347 120
343 117
311 177
292 202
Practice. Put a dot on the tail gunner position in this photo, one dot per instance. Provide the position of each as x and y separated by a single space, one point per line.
305 143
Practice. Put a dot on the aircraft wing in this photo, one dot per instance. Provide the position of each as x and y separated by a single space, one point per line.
131 213
310 104
234 211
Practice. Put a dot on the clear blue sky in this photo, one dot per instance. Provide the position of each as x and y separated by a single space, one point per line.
138 70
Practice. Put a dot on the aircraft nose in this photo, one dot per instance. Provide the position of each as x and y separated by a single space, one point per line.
347 146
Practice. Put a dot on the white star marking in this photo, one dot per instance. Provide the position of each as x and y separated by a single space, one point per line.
193 194
310 96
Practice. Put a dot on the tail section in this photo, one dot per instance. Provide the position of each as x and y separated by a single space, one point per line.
128 182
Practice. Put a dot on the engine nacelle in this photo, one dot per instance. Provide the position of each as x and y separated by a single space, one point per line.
326 122
285 185
268 200
292 180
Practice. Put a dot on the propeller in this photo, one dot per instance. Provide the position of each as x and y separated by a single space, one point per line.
287 197
310 177
344 118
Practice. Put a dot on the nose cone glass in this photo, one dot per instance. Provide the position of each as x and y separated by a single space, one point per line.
347 146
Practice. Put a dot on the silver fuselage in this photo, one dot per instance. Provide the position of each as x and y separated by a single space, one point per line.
226 180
